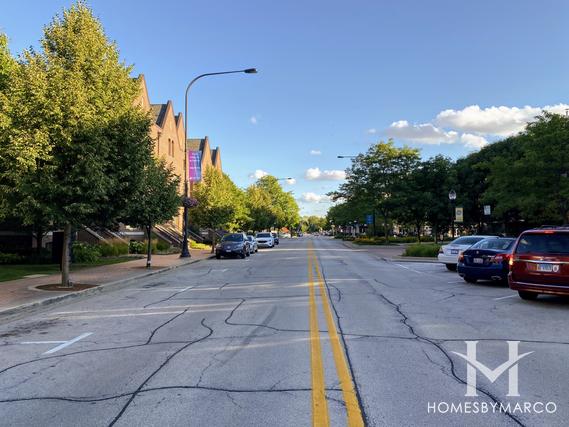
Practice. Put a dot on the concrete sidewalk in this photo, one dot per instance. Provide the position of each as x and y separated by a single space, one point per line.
390 252
21 295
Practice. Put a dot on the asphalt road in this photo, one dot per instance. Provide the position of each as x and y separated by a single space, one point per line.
308 333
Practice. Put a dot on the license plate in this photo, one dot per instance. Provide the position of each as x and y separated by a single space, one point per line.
454 251
478 261
228 250
545 268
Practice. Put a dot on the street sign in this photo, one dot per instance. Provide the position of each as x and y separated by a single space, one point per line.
458 214
369 219
487 210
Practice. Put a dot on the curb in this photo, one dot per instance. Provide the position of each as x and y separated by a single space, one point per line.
393 259
103 287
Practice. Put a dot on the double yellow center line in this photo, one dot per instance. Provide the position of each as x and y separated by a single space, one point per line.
320 415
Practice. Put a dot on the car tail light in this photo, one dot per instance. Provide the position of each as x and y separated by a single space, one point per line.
500 258
461 257
511 260
441 251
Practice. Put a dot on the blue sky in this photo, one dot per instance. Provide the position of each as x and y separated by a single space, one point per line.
335 76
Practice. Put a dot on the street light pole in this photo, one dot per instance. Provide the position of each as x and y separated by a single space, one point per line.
185 249
452 198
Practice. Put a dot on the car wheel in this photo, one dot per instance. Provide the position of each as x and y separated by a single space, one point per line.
470 279
528 296
243 254
248 253
256 250
217 256
451 267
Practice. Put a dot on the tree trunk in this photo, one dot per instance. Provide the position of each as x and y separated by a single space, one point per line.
418 225
39 239
149 247
435 233
385 228
213 240
65 257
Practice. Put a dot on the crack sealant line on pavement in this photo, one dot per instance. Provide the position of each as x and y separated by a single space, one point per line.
437 344
344 373
12 313
170 357
356 413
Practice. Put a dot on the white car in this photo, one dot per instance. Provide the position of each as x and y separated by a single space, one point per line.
265 240
448 254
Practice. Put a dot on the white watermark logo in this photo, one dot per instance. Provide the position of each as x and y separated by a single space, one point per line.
510 365
473 367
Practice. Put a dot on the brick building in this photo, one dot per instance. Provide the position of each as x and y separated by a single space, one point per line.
168 134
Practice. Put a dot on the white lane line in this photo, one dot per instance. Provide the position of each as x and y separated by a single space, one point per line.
457 281
43 342
507 296
410 269
68 343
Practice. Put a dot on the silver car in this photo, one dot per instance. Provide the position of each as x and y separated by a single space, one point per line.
253 244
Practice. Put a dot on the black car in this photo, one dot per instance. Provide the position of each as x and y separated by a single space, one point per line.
234 244
486 260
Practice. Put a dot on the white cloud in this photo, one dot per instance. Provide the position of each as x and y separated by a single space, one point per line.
253 120
473 141
499 121
314 198
313 174
259 173
372 131
291 181
315 152
425 133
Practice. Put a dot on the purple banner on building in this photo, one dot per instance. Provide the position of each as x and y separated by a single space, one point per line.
195 165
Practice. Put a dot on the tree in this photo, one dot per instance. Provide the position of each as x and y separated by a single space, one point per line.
73 128
157 200
259 205
221 204
530 179
278 208
375 177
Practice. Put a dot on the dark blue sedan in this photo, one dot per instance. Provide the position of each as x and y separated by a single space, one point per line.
486 260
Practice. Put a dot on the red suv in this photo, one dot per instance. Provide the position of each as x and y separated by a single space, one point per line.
540 263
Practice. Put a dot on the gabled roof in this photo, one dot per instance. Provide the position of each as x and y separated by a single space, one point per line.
158 113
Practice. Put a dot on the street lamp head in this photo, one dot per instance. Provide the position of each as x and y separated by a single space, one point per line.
452 195
250 71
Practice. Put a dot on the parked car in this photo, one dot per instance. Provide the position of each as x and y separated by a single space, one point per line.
275 237
448 254
253 244
487 259
233 244
265 240
540 263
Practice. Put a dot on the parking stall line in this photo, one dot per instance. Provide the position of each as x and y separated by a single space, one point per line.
507 296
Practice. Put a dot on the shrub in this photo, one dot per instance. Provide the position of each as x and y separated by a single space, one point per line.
136 247
371 241
197 245
10 258
114 248
422 250
86 253
162 245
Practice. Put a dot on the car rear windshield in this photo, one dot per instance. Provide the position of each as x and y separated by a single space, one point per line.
232 238
264 235
467 240
556 243
499 244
